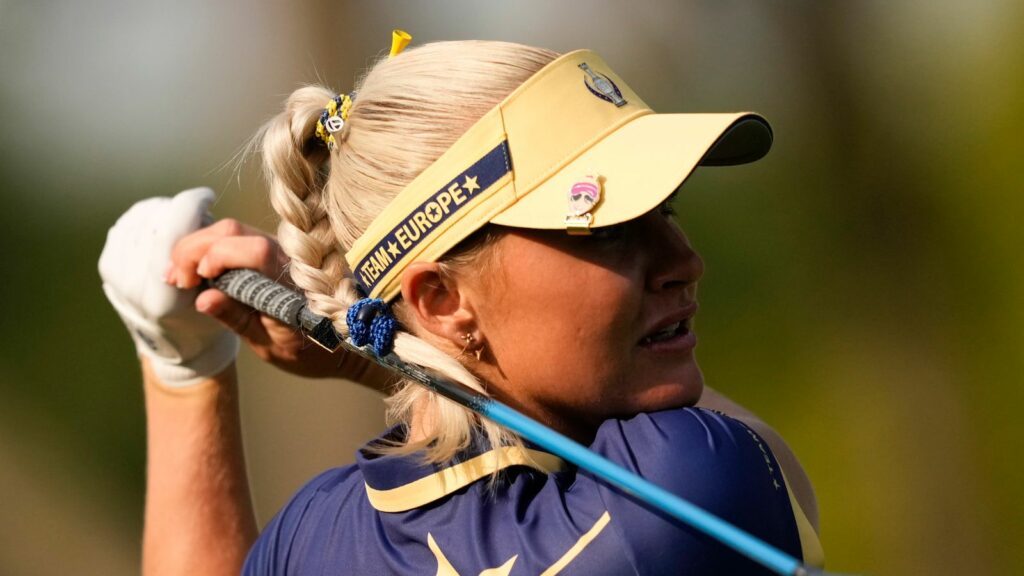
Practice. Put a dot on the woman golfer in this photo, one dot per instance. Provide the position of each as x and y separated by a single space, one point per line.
499 214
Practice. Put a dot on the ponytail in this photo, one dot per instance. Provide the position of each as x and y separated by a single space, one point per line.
408 111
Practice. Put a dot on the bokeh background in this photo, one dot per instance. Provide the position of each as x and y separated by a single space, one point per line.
864 285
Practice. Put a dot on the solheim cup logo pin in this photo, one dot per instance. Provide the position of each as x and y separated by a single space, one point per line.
334 124
584 195
602 86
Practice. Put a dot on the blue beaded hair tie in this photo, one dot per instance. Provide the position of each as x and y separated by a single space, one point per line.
370 322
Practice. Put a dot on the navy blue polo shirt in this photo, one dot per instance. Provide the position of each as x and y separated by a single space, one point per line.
396 515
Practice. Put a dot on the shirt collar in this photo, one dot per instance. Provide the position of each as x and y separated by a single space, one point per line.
397 483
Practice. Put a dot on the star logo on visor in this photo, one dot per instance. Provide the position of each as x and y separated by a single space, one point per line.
433 212
470 184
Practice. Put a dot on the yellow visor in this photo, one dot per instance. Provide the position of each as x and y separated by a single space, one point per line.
572 148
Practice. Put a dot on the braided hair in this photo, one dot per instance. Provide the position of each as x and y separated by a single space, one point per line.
408 111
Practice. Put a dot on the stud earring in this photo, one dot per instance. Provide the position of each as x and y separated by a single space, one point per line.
467 341
468 338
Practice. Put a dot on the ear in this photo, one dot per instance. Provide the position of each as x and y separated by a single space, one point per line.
439 303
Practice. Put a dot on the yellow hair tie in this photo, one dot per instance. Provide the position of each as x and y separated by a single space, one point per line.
333 118
335 113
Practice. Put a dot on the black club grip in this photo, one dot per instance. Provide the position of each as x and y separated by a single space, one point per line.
256 290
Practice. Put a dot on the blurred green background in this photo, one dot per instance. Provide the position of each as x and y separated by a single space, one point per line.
864 282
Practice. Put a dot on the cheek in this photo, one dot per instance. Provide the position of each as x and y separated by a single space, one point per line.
567 335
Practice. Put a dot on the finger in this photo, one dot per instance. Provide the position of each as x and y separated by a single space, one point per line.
234 315
255 252
189 250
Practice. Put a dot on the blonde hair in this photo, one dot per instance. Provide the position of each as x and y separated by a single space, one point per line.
409 109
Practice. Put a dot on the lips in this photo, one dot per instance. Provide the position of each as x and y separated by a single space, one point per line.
670 328
666 334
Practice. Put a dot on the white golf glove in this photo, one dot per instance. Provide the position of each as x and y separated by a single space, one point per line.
184 346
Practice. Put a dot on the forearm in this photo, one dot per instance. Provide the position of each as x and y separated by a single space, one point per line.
199 517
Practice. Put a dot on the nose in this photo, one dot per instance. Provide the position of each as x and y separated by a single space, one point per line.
672 262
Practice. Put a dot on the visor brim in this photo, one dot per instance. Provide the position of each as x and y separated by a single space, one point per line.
640 164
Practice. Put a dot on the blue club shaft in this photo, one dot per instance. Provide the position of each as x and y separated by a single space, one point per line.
264 294
570 450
